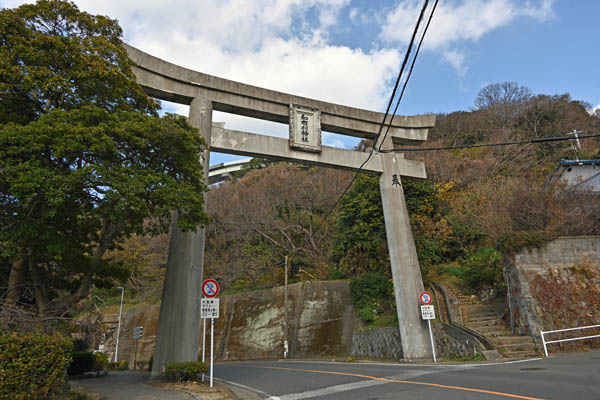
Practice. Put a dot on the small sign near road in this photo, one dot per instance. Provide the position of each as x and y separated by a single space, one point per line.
137 332
210 288
428 312
209 308
425 298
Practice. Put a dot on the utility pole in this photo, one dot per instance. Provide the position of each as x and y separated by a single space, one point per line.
574 133
119 325
285 307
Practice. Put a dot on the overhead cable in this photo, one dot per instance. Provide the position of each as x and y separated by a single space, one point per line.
389 106
412 66
472 146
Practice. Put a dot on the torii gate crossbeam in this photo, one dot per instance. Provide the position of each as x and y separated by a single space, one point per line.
179 320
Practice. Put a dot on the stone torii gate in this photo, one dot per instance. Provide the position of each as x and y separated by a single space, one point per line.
179 320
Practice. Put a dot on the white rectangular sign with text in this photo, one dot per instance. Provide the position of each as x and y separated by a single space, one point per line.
427 312
209 308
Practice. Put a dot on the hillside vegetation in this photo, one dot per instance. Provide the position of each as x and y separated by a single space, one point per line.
477 204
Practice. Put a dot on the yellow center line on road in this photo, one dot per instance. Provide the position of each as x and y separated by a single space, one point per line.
466 389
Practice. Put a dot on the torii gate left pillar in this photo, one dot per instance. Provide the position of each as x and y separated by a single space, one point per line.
179 319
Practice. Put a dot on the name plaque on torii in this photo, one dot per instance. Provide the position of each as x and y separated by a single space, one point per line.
179 320
305 128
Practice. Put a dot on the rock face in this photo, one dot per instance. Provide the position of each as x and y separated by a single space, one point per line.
320 322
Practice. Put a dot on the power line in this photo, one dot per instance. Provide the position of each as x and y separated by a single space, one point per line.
389 106
409 73
471 146
398 80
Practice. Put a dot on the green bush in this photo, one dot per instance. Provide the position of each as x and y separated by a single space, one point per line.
371 294
32 366
101 361
184 371
80 345
452 270
83 361
513 242
483 268
118 366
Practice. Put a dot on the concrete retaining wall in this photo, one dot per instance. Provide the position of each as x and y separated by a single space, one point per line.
557 256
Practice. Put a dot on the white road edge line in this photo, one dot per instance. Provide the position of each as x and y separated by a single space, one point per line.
348 386
415 365
251 389
331 390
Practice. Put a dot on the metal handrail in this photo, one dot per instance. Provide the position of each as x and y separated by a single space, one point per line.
544 342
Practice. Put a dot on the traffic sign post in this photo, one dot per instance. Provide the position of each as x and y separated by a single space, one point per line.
428 313
209 308
137 335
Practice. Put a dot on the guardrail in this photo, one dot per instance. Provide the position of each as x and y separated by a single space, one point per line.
566 340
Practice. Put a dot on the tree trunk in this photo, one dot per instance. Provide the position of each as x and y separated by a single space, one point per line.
14 281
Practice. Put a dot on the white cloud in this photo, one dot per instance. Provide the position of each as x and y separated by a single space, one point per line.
543 12
457 60
456 22
467 20
277 44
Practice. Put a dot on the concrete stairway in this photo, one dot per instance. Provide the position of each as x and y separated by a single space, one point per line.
486 319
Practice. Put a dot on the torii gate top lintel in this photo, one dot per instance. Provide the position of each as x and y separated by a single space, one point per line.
170 82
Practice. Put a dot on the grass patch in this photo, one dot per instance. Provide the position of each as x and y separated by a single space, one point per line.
476 357
384 320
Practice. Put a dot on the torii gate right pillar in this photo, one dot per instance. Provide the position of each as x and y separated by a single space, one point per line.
406 274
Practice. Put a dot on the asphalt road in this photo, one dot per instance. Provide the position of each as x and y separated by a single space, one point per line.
569 376
129 385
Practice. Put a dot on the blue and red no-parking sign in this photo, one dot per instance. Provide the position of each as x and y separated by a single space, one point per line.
210 288
425 298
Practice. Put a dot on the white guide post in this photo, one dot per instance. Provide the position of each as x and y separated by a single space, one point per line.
212 331
431 337
203 343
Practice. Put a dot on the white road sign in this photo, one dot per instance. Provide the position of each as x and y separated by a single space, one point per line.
209 308
427 312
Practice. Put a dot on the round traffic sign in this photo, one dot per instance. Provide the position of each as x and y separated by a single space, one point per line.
210 288
425 298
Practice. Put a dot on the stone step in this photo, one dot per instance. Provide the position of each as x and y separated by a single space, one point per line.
481 314
519 354
504 340
492 331
483 324
467 299
484 319
511 348
475 309
480 317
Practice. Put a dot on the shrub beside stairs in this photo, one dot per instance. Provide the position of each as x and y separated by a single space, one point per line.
487 320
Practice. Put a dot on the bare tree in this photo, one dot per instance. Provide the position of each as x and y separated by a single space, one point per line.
500 94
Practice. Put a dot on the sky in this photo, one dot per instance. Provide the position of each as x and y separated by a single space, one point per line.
350 51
